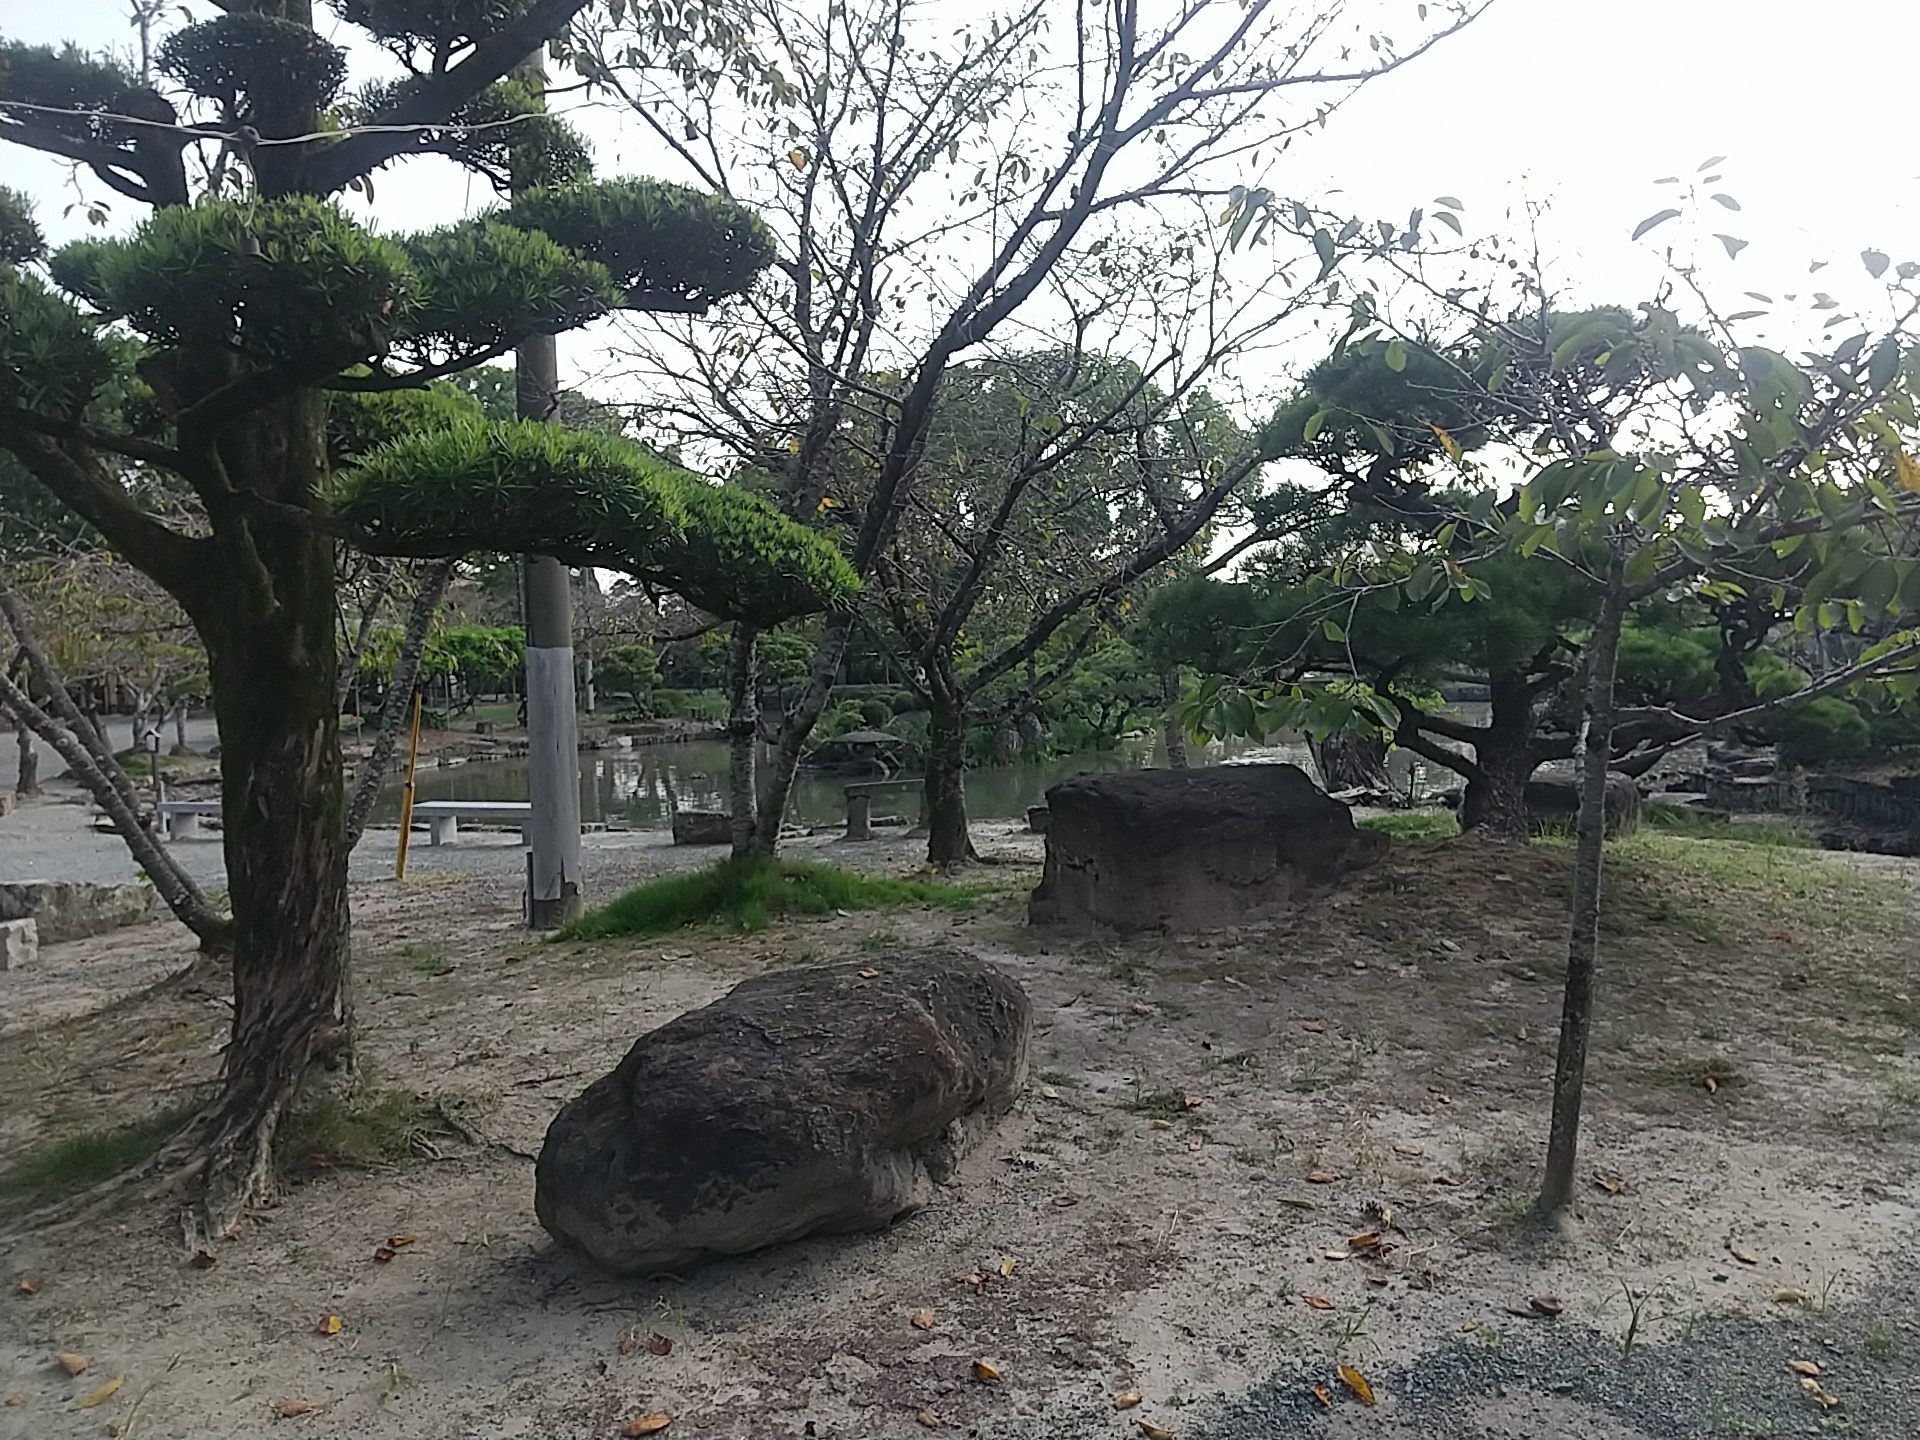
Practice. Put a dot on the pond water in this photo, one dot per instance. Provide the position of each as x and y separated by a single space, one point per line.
641 787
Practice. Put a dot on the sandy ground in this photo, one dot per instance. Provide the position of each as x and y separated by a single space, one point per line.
1212 1119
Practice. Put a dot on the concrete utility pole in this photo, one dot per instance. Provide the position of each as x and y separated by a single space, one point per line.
553 728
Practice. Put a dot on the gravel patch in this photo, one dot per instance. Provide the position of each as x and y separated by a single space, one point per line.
1548 1379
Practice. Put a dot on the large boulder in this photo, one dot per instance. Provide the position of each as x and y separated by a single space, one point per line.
1192 849
803 1102
702 827
74 910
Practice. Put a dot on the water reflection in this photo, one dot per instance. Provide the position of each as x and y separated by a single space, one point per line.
640 788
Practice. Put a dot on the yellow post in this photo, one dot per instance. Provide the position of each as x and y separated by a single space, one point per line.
406 795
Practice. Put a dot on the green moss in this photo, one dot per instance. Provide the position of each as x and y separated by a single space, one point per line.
73 1164
748 894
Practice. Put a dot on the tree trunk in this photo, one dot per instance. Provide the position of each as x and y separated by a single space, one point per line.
797 727
1350 760
743 738
269 627
1576 1015
180 728
1495 805
945 803
27 782
1171 737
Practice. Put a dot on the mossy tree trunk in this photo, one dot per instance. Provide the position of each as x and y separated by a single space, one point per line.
268 624
944 804
26 780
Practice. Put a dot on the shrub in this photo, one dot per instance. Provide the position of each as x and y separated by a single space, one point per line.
1821 732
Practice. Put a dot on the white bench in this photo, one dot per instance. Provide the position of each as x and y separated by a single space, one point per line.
180 819
443 816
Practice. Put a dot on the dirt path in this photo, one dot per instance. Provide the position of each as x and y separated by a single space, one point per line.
1209 1120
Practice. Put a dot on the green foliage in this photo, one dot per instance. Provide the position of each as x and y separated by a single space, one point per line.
64 79
439 26
1381 400
1415 824
321 294
20 239
747 894
73 1164
361 421
481 286
1663 667
591 500
503 132
667 246
633 668
51 362
1821 732
257 66
785 658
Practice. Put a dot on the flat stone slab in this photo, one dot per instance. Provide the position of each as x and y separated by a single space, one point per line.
19 944
803 1102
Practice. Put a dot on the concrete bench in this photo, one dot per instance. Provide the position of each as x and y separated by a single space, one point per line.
860 803
180 819
443 817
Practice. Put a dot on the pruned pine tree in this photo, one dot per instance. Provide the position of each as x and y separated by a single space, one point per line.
235 317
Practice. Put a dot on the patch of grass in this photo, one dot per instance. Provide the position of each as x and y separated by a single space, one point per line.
426 959
1881 1340
1162 1104
1670 820
1694 1073
327 1131
71 1165
746 895
1415 824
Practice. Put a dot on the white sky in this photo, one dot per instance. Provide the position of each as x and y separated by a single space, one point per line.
1578 104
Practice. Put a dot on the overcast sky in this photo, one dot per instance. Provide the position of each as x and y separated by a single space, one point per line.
1576 104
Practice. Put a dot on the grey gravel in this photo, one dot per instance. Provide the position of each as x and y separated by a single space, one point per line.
1549 1379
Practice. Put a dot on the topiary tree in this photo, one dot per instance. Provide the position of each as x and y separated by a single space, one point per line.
237 318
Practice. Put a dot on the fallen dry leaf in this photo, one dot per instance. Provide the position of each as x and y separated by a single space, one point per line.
1196 1143
658 1344
1469 1326
985 1373
1298 1202
869 974
1321 1177
100 1397
1318 1302
398 1242
1153 1431
1804 1367
646 1425
1448 1180
71 1363
31 1287
1140 1009
1791 1296
1006 1265
1315 1027
1742 1256
1163 1124
1320 1394
329 1325
626 1342
1374 1277
1713 1085
1357 1383
1192 1102
923 1319
1546 1304
1336 1254
1440 1095
384 1253
1364 1241
1612 1184
287 1409
1409 1150
1065 1202
928 1419
1126 1399
204 1260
